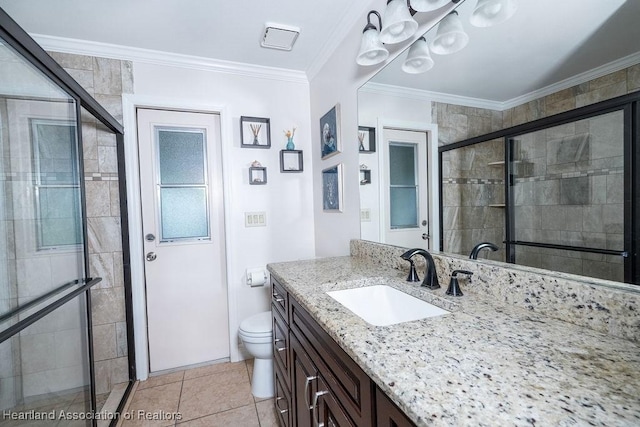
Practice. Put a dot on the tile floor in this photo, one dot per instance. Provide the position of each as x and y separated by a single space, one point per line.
214 395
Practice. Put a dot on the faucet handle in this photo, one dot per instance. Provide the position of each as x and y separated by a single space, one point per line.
454 286
456 272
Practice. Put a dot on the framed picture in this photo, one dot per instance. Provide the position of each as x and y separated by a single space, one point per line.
330 132
255 132
332 189
367 139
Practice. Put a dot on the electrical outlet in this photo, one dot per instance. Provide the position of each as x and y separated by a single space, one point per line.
255 219
365 215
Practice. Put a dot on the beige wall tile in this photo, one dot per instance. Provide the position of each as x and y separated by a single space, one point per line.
107 76
97 198
104 341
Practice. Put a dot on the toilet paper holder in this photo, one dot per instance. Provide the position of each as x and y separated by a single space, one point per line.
257 277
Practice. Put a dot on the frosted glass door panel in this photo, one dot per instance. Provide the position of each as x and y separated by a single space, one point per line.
182 182
403 188
182 155
184 213
404 207
402 164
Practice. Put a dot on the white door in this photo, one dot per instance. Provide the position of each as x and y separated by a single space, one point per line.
183 226
405 188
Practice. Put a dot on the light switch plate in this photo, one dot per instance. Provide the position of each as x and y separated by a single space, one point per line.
365 215
255 219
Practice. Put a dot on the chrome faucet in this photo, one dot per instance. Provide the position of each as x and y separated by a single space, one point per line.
477 248
431 278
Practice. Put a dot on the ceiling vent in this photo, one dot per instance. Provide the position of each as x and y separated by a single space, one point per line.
277 36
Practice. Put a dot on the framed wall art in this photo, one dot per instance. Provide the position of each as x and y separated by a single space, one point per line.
330 132
332 189
255 132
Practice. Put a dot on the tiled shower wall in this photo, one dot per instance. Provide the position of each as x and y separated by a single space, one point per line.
473 198
463 199
571 192
106 80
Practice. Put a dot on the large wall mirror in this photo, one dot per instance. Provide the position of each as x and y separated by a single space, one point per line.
548 59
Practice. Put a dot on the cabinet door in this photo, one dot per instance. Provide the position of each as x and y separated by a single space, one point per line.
304 376
388 414
328 411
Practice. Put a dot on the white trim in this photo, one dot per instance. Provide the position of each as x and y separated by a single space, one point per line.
106 50
425 95
603 70
432 173
336 37
129 105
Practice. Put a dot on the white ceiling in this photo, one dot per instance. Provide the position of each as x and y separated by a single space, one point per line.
547 41
225 30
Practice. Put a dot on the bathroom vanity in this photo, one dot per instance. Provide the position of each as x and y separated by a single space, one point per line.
488 361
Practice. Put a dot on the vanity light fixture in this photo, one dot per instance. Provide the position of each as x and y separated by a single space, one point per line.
418 59
428 5
398 25
488 13
372 51
450 37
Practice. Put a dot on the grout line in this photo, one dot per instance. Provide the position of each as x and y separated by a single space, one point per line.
175 423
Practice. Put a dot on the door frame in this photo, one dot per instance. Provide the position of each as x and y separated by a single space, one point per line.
134 210
431 129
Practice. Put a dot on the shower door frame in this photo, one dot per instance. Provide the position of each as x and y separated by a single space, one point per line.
24 45
630 105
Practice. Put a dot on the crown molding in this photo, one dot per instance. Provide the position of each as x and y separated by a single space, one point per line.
427 96
336 37
106 50
424 95
603 70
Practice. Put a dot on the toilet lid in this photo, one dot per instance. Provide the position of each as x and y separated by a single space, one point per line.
258 323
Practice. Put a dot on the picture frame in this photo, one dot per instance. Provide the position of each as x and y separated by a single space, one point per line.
255 132
332 189
330 140
291 161
366 139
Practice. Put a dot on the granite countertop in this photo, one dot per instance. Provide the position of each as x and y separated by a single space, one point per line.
483 364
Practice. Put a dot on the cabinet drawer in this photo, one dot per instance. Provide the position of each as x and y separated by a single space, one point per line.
281 345
279 299
351 386
282 401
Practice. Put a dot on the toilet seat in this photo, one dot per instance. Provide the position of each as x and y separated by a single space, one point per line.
258 325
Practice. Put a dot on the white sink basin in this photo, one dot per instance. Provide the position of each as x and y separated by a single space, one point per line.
382 305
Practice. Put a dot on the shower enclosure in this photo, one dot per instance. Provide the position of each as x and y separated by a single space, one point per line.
560 193
47 336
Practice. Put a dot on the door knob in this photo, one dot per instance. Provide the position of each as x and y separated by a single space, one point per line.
151 256
425 236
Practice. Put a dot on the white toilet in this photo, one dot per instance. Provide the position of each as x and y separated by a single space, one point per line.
256 334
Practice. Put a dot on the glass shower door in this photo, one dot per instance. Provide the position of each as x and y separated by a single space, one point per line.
567 197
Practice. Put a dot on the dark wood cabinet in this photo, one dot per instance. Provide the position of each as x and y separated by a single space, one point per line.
323 385
388 414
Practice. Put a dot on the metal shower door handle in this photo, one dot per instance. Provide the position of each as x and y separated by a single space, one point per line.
151 256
